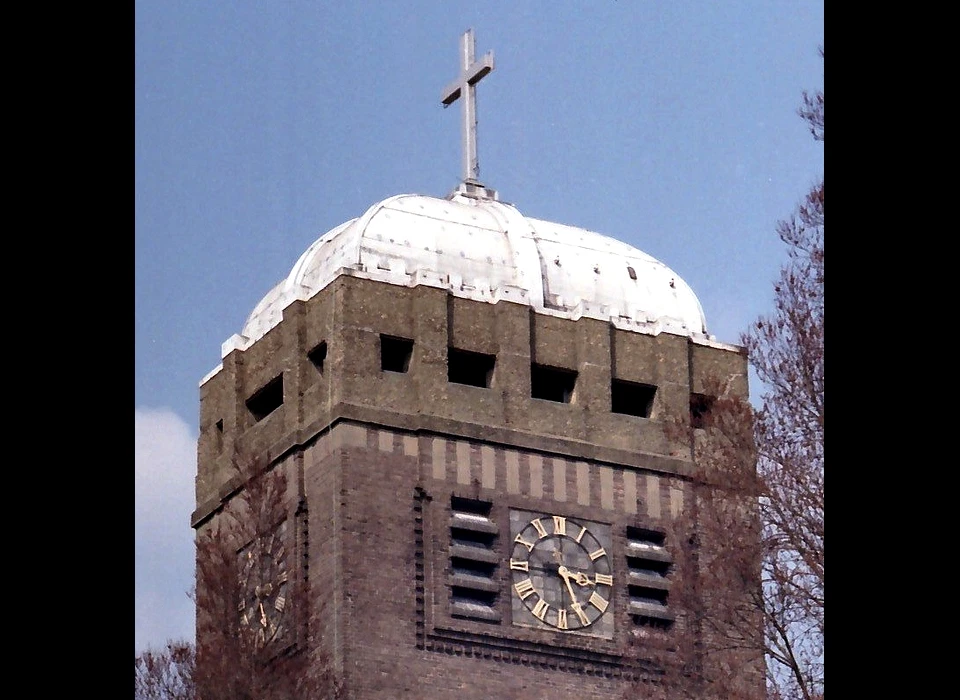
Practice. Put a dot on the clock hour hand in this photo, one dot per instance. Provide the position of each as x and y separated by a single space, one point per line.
582 579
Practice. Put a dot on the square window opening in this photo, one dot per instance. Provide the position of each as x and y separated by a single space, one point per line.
318 355
395 354
632 398
267 399
552 383
700 406
470 368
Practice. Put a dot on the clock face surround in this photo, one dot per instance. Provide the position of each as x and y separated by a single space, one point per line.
265 588
562 574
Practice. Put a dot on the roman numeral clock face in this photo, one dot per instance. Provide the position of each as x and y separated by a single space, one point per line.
265 589
562 574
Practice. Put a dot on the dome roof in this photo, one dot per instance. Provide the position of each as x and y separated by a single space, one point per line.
486 250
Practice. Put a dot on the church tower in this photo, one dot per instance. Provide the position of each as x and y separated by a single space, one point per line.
471 413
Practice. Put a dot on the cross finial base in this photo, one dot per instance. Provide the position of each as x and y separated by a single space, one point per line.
474 190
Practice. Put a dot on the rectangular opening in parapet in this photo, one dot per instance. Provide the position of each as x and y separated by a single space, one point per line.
552 383
317 356
395 353
700 405
632 398
267 399
218 432
470 368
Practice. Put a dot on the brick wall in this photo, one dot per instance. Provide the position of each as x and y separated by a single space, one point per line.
377 456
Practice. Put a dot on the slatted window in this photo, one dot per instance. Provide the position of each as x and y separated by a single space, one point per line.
648 564
473 560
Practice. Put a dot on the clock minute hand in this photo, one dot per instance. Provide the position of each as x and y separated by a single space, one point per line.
566 574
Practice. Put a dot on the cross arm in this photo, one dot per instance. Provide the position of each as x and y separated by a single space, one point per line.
476 71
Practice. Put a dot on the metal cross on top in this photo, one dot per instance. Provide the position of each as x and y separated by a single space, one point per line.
471 71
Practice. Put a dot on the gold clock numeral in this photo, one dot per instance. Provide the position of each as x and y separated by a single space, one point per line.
605 579
597 601
599 553
562 619
282 577
540 609
520 540
579 537
280 603
524 588
559 525
537 524
519 565
584 620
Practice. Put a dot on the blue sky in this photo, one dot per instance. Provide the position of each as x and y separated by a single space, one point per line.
670 125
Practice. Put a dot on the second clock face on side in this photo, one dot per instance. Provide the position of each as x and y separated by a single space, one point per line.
264 588
562 573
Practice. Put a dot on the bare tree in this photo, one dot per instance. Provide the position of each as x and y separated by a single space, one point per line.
167 673
787 351
714 649
241 652
812 110
749 576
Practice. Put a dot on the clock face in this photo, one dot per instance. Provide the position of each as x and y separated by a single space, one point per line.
264 588
562 573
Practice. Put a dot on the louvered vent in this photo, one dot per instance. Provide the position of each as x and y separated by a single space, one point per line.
473 561
648 563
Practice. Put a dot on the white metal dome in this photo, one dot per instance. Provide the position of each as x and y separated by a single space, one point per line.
486 250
